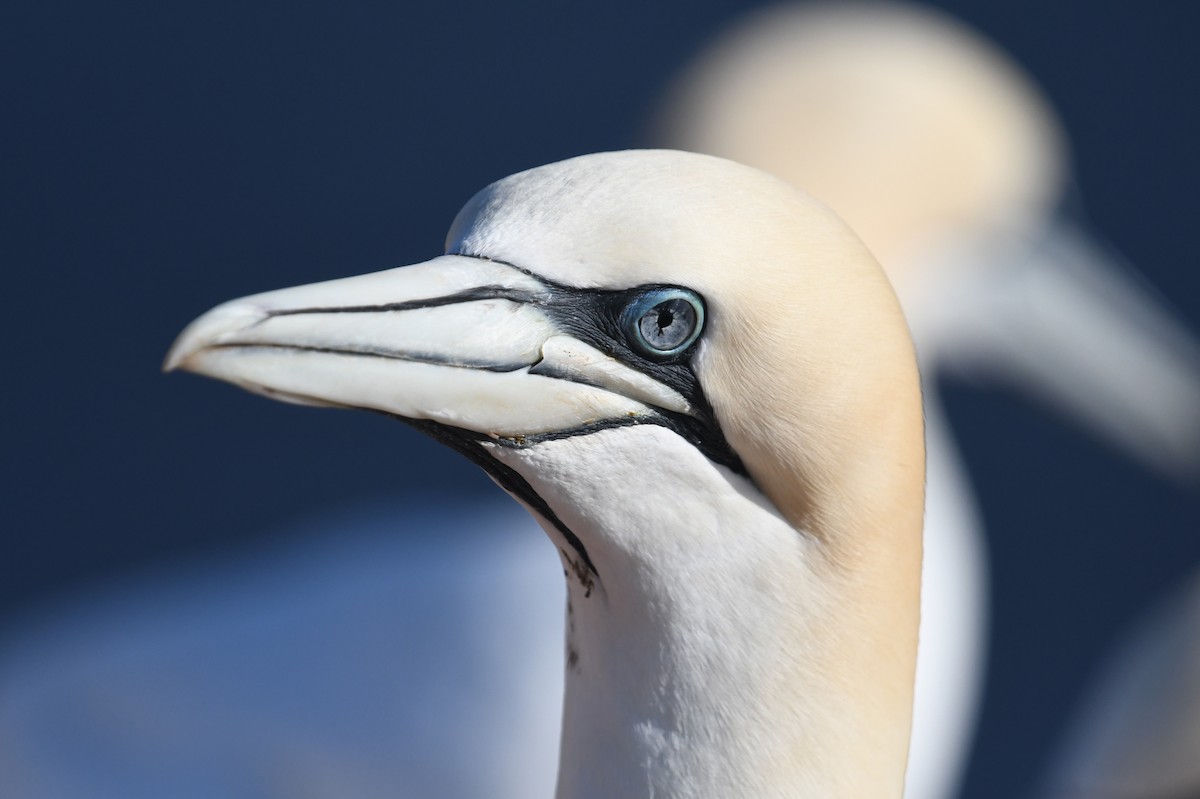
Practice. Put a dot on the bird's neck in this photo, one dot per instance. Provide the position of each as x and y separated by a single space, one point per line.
717 652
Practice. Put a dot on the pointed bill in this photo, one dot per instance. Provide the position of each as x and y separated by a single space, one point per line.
1075 326
464 342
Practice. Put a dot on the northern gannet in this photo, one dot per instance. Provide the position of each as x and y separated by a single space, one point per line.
948 161
702 386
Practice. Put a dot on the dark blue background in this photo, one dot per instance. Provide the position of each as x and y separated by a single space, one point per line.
160 158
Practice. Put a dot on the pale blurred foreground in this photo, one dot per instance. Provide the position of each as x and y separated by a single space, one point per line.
411 649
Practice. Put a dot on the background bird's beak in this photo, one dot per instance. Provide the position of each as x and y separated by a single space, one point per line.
1071 324
461 341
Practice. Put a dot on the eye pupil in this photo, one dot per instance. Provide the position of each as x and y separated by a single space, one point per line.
667 321
662 322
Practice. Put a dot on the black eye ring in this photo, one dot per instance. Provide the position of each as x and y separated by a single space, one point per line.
662 323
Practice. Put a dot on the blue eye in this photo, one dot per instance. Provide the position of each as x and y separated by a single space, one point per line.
662 323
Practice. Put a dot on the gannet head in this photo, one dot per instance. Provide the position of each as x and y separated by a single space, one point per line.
542 320
701 383
910 125
927 139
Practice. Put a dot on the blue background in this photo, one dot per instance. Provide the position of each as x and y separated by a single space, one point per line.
160 158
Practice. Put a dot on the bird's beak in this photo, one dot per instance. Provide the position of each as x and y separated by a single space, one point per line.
461 341
1074 325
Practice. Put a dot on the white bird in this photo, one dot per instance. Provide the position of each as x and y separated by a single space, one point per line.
943 155
701 385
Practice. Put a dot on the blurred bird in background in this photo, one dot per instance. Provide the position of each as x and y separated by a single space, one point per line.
944 156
